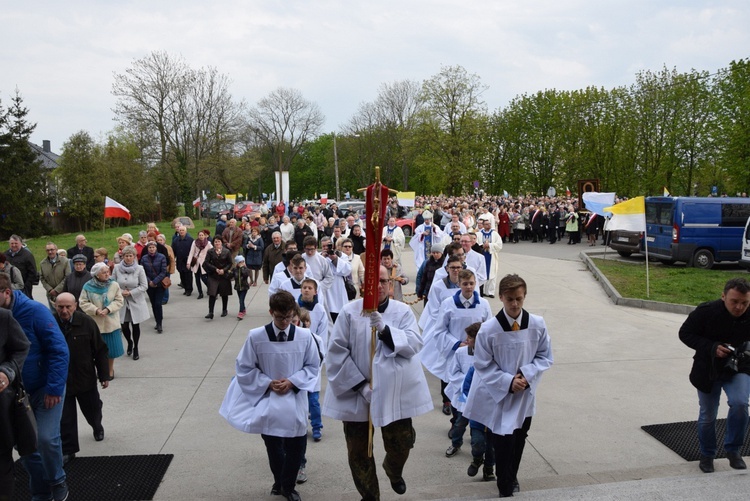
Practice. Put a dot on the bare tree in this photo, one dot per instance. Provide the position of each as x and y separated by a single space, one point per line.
283 121
186 118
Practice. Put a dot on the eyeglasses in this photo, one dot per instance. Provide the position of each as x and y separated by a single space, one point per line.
454 268
347 246
286 318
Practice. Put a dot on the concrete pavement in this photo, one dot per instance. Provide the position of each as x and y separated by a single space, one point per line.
616 369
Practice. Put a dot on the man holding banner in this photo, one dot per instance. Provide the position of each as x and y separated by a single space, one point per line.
375 377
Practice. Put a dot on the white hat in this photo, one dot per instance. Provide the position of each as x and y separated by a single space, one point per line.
427 214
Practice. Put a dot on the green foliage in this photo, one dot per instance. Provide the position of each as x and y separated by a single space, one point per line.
23 191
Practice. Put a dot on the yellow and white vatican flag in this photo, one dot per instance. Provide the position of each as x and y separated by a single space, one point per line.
629 215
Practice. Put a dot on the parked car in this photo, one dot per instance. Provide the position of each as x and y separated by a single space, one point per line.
407 223
626 242
745 258
217 208
352 206
696 230
249 209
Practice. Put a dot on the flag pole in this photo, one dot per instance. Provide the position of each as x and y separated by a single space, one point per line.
645 242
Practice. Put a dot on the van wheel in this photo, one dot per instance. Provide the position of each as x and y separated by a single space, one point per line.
624 253
704 259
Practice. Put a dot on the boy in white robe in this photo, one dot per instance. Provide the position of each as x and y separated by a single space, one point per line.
512 351
398 393
293 284
278 364
456 313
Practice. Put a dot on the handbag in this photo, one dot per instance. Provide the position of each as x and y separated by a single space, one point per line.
351 291
166 282
193 262
24 421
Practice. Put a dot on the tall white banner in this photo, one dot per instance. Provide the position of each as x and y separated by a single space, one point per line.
282 185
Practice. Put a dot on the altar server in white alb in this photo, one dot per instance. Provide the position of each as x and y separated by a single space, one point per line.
491 244
399 388
277 366
455 314
512 351
425 235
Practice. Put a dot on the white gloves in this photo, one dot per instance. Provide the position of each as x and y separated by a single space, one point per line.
376 320
366 392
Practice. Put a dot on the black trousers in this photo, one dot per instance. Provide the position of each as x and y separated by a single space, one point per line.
91 407
398 439
6 474
186 277
508 452
285 456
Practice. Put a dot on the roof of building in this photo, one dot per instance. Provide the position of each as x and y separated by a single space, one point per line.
49 159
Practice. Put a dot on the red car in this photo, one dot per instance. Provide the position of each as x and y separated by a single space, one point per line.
407 223
250 209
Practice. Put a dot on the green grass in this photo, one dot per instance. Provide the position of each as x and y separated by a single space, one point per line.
670 284
96 239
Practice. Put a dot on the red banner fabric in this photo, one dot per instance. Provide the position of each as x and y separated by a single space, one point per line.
376 198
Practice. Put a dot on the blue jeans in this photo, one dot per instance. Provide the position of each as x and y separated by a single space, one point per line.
314 405
459 428
45 465
241 296
481 447
738 392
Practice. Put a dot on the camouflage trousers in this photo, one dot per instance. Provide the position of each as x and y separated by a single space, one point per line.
398 440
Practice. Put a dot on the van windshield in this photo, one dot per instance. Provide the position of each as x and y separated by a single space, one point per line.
659 213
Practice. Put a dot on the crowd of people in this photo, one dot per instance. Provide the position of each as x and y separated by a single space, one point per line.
313 263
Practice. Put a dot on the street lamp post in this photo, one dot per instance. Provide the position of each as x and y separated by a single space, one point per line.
336 168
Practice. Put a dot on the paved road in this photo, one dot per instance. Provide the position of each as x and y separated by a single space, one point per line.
616 369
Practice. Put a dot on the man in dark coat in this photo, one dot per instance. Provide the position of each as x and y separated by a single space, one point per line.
81 248
88 363
181 245
22 258
718 331
272 256
554 222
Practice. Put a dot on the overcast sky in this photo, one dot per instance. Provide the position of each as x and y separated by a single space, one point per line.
62 55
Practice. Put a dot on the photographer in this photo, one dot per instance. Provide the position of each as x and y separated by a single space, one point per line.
717 331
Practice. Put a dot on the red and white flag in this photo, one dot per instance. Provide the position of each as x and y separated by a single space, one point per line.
197 202
115 209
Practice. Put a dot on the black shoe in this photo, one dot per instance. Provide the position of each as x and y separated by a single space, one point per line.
516 487
275 490
189 293
291 495
185 293
130 348
99 435
200 295
447 408
399 486
735 461
224 313
136 356
158 328
210 316
474 467
706 464
67 458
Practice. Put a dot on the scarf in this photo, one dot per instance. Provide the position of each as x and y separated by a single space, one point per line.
458 300
200 244
98 290
307 305
127 269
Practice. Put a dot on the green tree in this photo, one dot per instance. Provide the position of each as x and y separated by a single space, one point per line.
22 191
83 181
733 136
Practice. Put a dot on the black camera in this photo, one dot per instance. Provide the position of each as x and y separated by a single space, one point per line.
739 360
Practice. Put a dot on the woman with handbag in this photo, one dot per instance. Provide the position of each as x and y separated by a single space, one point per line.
101 299
14 346
134 286
218 265
198 251
155 266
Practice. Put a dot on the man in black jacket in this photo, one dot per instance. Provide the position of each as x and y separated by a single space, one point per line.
717 331
88 362
22 258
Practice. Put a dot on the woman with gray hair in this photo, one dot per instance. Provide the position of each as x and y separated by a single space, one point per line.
131 277
101 299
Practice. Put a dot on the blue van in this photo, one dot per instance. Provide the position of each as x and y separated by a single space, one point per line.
695 230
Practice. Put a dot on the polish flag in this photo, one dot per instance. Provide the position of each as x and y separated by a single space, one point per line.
114 209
